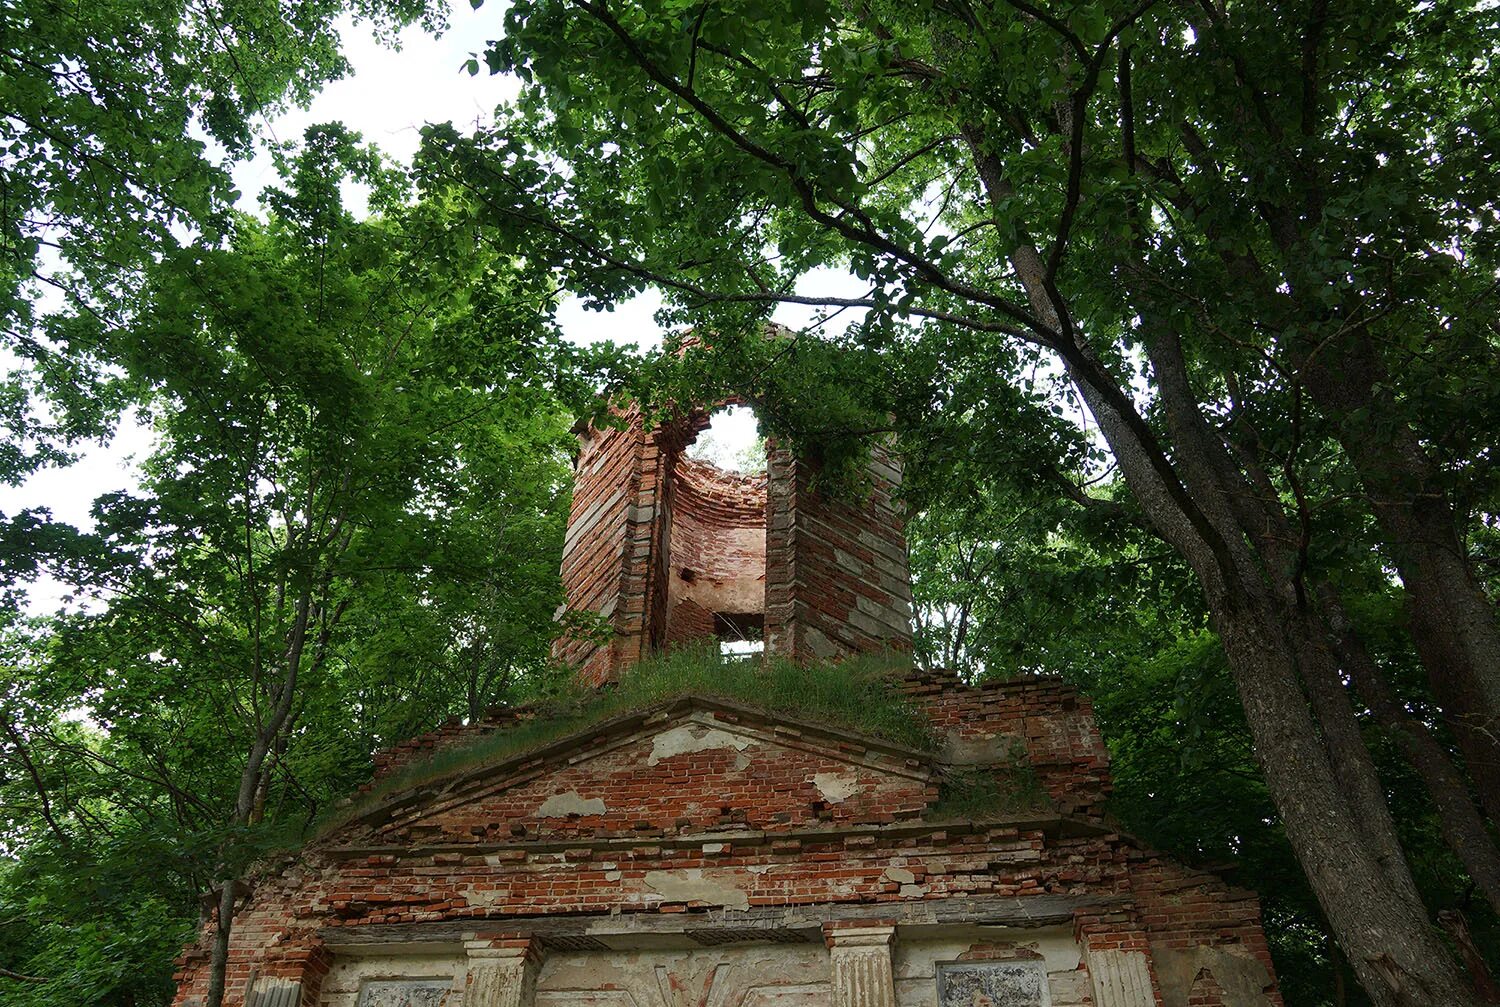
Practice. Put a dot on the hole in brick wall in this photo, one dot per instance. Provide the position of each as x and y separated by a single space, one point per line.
732 441
741 634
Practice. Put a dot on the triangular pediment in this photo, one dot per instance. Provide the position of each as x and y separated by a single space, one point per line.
694 760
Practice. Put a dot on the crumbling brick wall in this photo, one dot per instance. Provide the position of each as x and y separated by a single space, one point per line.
829 575
686 818
717 547
838 575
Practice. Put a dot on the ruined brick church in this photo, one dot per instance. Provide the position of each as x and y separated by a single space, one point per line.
707 853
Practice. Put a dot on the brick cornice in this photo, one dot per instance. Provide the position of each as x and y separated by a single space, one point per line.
782 924
1053 827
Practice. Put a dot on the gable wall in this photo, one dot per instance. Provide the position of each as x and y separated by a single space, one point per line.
700 775
1046 719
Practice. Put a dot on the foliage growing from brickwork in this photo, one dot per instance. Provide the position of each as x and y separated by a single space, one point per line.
1246 249
859 694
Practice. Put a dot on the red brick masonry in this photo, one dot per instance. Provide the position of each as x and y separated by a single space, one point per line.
651 529
778 823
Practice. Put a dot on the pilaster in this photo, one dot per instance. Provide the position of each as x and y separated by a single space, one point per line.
861 960
502 971
290 976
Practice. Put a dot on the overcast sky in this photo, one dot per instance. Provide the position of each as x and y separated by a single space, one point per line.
388 98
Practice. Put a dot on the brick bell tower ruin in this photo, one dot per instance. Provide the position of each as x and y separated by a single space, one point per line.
670 549
704 852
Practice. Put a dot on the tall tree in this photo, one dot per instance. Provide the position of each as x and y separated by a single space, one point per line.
354 422
120 117
121 122
1243 232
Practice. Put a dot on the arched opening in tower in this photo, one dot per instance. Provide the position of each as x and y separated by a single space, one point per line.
715 530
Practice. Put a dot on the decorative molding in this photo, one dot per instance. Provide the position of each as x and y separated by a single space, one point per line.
1000 983
502 973
861 960
1121 978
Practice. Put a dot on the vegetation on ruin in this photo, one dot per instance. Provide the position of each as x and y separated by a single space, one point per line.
1183 314
348 524
985 792
860 694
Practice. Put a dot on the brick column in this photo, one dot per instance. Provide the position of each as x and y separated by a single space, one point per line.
290 976
502 971
861 959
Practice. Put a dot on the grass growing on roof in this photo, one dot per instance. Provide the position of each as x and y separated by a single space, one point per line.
984 792
859 694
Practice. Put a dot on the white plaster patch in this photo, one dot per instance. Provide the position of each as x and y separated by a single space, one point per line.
686 739
836 787
350 974
899 875
563 805
691 885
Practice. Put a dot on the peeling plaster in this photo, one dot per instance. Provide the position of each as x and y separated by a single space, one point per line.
836 787
691 885
563 805
1242 976
686 739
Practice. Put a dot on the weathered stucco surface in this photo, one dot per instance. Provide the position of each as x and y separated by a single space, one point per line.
349 974
689 738
746 976
683 851
563 805
742 975
1244 980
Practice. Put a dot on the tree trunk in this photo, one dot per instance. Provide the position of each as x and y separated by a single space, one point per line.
1452 622
1387 939
1385 936
1323 651
1462 825
1232 501
218 958
250 781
